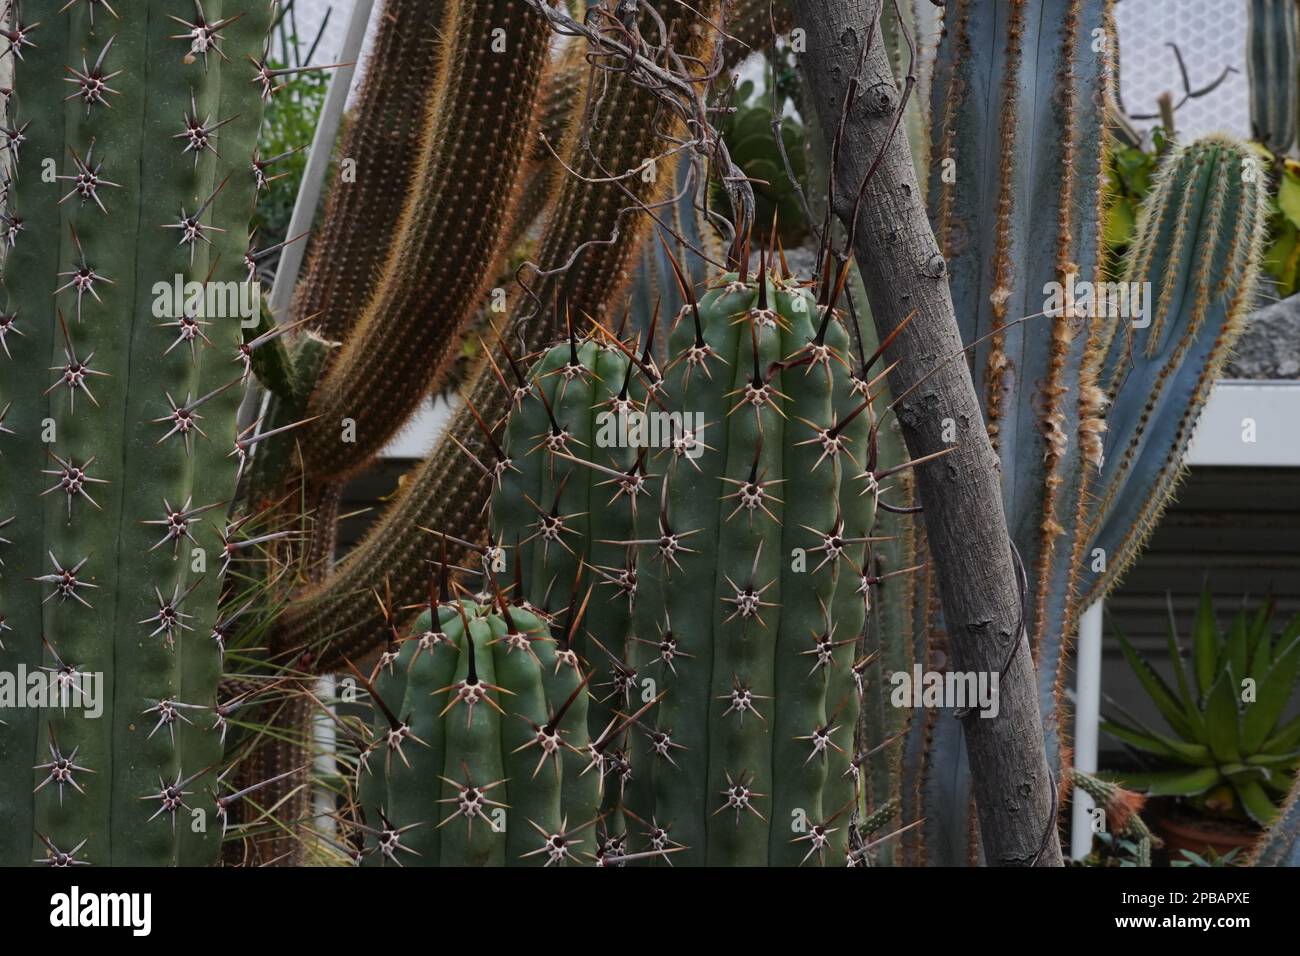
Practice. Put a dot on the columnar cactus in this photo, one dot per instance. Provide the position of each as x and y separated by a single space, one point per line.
130 139
1196 253
592 217
1090 416
730 558
1194 263
1011 237
480 754
383 136
1273 63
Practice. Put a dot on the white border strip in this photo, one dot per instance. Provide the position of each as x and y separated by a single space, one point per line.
1249 424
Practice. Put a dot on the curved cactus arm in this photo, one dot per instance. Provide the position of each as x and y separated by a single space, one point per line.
1273 63
451 231
1198 250
384 136
1195 263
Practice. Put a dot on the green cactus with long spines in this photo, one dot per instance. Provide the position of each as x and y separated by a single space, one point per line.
1273 65
1017 91
481 753
119 416
733 521
442 493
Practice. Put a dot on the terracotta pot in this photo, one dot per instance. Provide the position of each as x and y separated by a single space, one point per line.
1184 829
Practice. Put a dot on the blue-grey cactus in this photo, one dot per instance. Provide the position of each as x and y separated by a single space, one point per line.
1090 388
1273 64
1017 159
1280 843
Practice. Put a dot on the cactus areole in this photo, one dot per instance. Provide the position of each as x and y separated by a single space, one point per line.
129 176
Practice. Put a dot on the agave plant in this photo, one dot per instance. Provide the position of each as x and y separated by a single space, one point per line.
1229 750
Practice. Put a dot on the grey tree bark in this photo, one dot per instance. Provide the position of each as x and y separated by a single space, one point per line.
904 273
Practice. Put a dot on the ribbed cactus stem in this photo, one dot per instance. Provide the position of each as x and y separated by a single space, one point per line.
384 138
1016 172
480 754
1273 66
1197 250
1009 250
1194 263
743 562
121 414
451 231
1092 420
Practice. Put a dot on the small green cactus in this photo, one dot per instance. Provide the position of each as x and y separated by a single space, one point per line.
480 754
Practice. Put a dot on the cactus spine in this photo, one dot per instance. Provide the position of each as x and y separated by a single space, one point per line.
116 461
1273 64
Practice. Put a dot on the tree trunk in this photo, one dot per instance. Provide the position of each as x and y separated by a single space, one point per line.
905 274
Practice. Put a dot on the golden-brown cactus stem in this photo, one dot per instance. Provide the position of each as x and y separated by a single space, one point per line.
450 234
384 137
